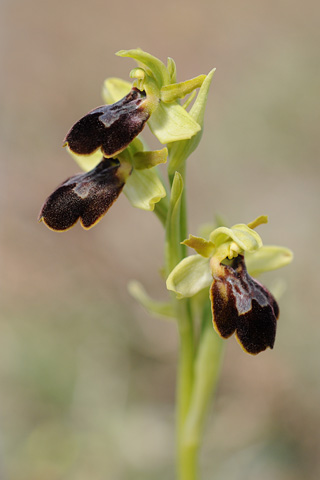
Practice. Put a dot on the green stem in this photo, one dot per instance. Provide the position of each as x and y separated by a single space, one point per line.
183 213
196 377
207 369
185 367
186 460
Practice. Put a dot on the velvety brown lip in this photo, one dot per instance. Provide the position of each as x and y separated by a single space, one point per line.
109 127
241 305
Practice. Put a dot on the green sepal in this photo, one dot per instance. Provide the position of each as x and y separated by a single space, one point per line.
162 309
172 246
143 160
144 189
205 248
155 67
180 151
190 276
114 89
171 123
170 93
87 162
268 257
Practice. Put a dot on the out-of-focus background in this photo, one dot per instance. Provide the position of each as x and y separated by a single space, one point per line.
87 379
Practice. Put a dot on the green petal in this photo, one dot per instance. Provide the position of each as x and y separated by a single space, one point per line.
163 309
180 151
269 257
155 66
114 89
247 239
171 123
204 247
258 221
87 162
144 188
170 93
143 160
190 276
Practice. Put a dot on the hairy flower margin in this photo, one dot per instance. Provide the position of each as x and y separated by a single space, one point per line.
240 304
104 142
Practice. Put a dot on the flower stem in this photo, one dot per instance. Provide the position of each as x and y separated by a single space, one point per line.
197 374
185 366
186 458
207 369
206 374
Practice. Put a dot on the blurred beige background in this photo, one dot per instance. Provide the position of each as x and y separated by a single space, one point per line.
86 377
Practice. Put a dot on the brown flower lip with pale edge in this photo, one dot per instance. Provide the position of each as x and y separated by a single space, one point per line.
87 196
111 127
241 305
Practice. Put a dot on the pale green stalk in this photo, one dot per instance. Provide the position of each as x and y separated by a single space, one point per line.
196 376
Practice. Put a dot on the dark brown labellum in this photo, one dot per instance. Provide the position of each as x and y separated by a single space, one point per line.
87 196
241 305
111 127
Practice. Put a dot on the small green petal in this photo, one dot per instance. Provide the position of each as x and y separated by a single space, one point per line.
204 247
269 257
144 188
258 221
190 276
87 162
247 239
155 66
170 93
171 123
143 160
114 89
162 309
